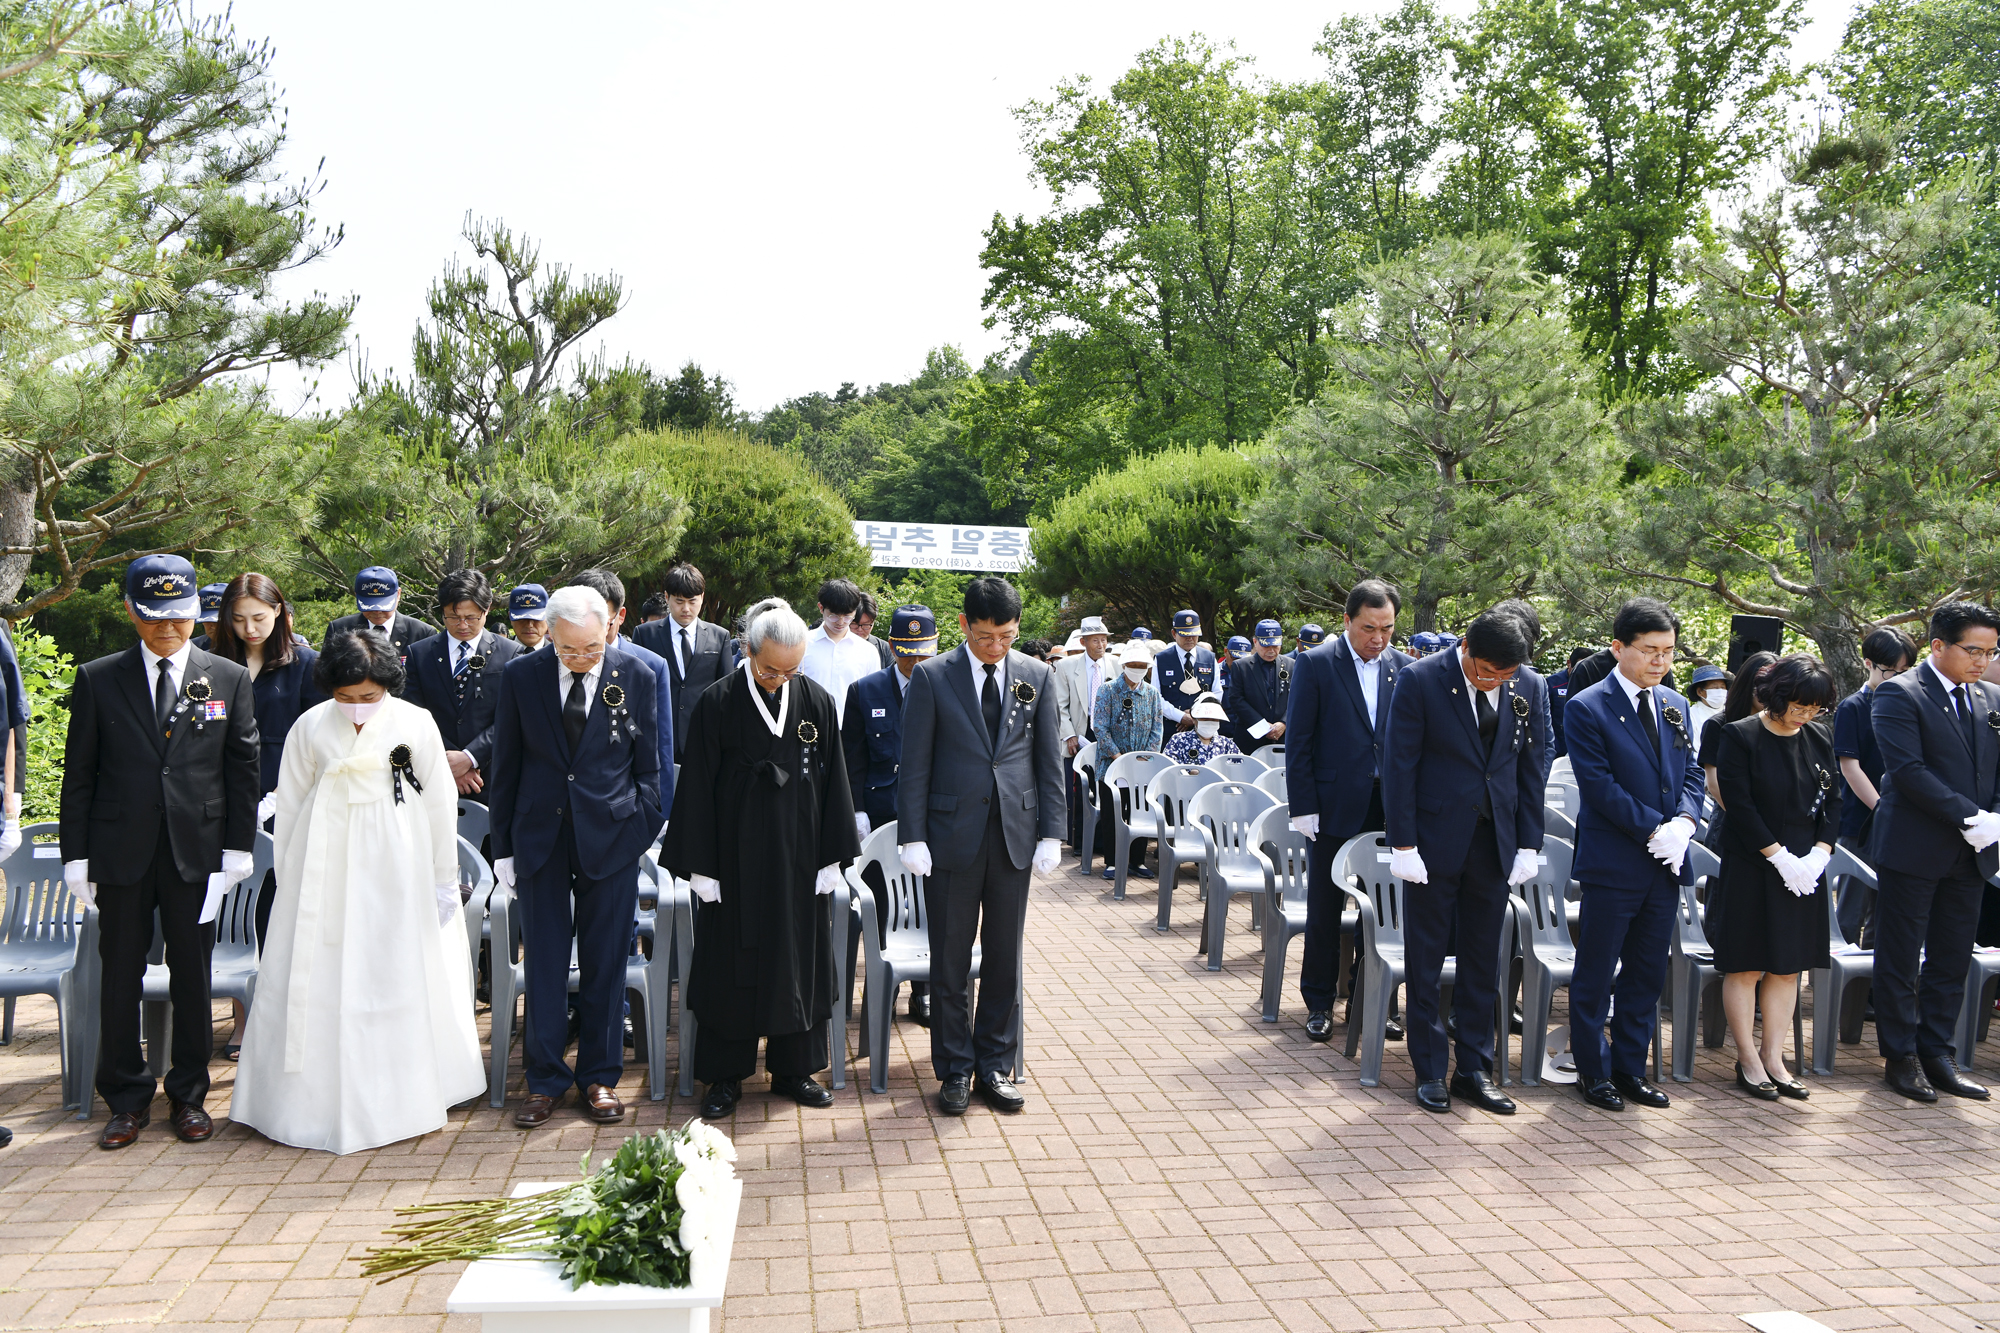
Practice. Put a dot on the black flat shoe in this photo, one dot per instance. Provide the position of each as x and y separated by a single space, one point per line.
1906 1076
1395 1031
721 1099
1945 1076
1634 1088
803 1090
1767 1091
1433 1095
920 1007
999 1092
1601 1093
956 1094
1479 1088
1319 1025
1791 1087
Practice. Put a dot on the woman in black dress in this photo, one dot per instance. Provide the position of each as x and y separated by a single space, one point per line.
1742 702
1767 920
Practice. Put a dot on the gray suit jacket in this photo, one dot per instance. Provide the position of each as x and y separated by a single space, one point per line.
952 772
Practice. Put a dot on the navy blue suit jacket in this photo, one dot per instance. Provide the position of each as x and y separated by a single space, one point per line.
1931 781
1332 755
1436 774
465 724
609 789
871 734
1259 693
664 702
1169 671
1626 787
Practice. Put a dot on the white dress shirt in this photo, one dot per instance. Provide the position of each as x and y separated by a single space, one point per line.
176 668
1370 676
683 641
1492 695
837 663
563 683
979 676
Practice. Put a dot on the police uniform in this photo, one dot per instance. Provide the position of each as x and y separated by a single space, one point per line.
1183 675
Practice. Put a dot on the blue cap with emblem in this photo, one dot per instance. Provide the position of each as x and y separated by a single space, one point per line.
1186 622
1446 640
1142 633
528 601
1423 643
1270 632
1311 636
913 632
211 602
376 588
161 587
1238 644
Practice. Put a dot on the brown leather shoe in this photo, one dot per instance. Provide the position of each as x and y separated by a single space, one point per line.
191 1123
535 1112
123 1128
602 1105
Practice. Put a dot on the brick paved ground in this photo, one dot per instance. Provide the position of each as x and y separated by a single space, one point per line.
1181 1164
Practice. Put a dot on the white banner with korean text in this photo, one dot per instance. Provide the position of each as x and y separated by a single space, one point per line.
976 550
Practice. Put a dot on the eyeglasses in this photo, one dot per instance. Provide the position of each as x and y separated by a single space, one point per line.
1652 654
775 677
1978 654
473 618
579 654
999 638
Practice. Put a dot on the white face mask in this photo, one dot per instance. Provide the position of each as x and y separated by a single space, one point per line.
1135 674
1715 698
1207 730
359 714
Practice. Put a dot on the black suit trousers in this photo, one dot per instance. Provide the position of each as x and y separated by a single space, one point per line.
987 901
560 903
1461 913
1916 1014
125 935
1319 965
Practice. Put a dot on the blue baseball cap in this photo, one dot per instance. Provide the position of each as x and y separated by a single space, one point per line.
161 587
211 602
1269 632
1186 622
1142 633
1705 673
913 632
1447 639
1237 644
1423 643
528 601
1311 636
376 588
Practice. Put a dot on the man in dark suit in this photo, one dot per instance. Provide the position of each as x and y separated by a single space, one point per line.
456 676
871 735
159 816
1184 671
1260 689
1336 726
1464 777
1641 793
1938 727
697 653
1560 694
378 593
611 588
979 802
575 798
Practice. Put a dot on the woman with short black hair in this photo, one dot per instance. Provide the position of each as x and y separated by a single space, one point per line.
1767 920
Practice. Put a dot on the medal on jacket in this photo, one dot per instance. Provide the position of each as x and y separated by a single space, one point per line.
1825 786
1993 720
808 735
1024 696
402 765
614 699
1521 711
195 692
1679 724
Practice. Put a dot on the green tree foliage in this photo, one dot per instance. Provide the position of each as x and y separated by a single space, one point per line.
47 672
1445 456
691 400
1158 535
758 523
1838 469
1931 68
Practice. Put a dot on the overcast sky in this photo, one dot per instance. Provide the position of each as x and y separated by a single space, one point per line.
793 194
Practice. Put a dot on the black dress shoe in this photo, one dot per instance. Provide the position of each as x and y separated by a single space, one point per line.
802 1089
1319 1025
956 1094
1791 1087
1635 1088
191 1123
1907 1077
721 1099
1479 1088
1432 1095
1395 1031
920 1007
1767 1091
1945 1076
1601 1093
999 1092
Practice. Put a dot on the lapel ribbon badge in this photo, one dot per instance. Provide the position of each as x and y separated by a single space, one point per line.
1825 786
1679 724
1993 720
402 765
614 699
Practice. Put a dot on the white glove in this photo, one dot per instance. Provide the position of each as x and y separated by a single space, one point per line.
447 903
267 807
1526 864
1983 829
1048 855
218 889
236 866
1308 826
10 836
861 824
916 858
1793 871
827 879
1407 864
706 888
503 870
76 874
1816 861
1669 843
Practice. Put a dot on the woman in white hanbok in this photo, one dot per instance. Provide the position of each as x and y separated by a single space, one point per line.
362 1032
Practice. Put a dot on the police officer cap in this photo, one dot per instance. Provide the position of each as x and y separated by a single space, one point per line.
376 588
1142 633
913 632
528 601
161 587
1270 632
1705 673
1423 643
211 602
1311 636
1237 644
1186 622
1446 640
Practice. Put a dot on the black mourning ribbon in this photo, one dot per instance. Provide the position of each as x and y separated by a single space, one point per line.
774 774
402 765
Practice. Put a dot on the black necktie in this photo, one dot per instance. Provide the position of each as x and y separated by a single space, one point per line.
1190 666
989 702
1648 721
573 714
687 651
1965 719
1489 719
163 695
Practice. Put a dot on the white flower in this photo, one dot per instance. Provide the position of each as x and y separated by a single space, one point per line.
698 1229
695 1190
701 1139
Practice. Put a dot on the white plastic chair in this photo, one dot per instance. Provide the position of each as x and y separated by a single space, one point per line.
1361 870
475 822
1548 955
474 875
1286 857
1238 767
1222 818
1272 783
1133 774
1835 1015
1171 791
50 948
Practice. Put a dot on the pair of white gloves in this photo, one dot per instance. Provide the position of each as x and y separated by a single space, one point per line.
709 889
236 867
1801 873
917 856
1407 864
1982 830
1669 843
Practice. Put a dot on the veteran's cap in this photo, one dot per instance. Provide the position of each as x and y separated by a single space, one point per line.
161 587
1311 636
913 632
1237 644
1186 622
1270 632
528 601
211 602
376 588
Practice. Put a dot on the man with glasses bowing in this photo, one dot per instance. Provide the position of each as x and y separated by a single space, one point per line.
1938 727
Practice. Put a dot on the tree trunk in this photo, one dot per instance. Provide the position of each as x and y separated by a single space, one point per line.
17 528
1841 652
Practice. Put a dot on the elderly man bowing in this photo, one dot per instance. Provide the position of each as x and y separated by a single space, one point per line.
762 820
576 802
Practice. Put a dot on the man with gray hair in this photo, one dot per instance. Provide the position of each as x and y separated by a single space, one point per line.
575 798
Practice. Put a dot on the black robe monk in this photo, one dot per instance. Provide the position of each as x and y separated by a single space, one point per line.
762 814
